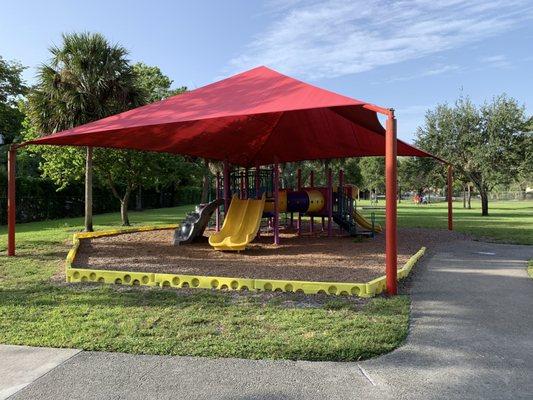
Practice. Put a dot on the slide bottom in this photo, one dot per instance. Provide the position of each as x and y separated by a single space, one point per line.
365 223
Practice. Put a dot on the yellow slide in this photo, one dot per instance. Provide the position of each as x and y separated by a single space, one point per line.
364 223
240 225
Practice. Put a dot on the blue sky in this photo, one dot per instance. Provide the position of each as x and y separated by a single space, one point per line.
409 55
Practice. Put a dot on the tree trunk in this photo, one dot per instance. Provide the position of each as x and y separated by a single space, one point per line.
327 163
399 194
484 202
469 197
89 190
464 196
124 208
205 183
139 200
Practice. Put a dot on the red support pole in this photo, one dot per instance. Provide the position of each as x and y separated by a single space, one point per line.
330 203
217 214
276 204
450 197
391 183
11 205
312 185
299 186
226 187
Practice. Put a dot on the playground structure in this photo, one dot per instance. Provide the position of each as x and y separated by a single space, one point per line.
257 118
194 224
256 194
241 224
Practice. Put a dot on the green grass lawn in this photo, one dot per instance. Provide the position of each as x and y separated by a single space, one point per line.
508 221
37 308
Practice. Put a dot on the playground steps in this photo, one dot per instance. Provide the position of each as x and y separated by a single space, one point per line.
349 225
346 216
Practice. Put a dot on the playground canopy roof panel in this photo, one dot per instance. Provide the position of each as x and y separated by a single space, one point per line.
256 117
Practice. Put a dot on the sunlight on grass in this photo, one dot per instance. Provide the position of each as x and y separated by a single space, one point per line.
40 310
508 221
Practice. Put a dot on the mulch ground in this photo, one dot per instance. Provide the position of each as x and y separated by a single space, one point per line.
309 258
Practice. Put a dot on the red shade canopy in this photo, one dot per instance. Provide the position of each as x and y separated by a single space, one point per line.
256 117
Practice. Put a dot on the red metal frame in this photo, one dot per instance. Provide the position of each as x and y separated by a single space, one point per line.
391 197
389 112
391 184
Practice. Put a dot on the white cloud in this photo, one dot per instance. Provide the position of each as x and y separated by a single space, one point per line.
337 37
496 61
435 70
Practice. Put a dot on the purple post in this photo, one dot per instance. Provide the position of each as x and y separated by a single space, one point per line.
257 186
299 183
330 203
226 188
217 214
276 204
312 184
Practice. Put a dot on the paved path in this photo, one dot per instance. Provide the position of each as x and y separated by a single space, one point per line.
471 338
21 365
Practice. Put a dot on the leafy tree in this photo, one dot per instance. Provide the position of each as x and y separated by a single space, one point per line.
113 86
12 87
485 144
525 171
154 83
86 79
420 174
353 173
373 173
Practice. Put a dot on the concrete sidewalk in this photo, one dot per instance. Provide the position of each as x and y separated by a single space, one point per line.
22 365
471 338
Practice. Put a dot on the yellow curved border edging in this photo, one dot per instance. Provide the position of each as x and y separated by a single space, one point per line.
73 274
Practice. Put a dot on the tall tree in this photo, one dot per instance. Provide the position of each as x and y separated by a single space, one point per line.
155 84
353 171
485 144
525 171
12 87
87 79
420 174
373 173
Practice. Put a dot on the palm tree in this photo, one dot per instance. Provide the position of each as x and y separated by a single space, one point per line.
86 79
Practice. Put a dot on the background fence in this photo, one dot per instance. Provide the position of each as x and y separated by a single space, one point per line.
56 205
